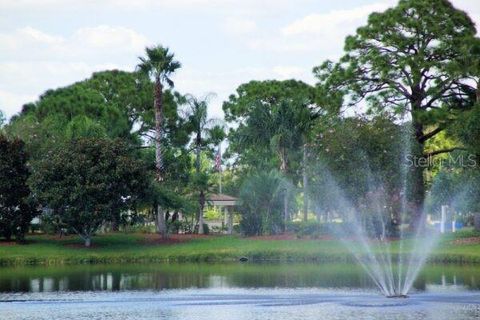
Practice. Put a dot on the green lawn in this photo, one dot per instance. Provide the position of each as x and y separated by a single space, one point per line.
119 248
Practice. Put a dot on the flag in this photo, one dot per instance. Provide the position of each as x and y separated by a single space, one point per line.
218 160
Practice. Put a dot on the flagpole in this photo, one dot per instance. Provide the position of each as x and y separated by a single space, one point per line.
220 168
220 184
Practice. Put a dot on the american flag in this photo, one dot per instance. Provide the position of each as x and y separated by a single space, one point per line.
218 160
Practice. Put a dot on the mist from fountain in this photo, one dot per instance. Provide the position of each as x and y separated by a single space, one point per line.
392 263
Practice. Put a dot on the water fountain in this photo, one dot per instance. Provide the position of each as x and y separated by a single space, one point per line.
393 262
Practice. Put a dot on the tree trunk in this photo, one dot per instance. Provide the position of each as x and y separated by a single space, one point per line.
116 222
283 161
416 179
8 235
161 223
478 92
198 142
230 220
201 197
200 212
88 241
305 184
20 236
285 209
284 170
417 184
158 105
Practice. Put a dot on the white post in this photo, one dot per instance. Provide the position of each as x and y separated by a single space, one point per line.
443 219
218 165
454 229
230 220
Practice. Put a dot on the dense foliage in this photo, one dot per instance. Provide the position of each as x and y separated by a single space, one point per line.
263 204
271 119
414 61
88 182
396 117
357 156
17 206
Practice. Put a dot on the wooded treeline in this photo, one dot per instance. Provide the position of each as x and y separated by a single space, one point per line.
396 117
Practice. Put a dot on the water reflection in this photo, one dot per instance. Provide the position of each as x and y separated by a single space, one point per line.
175 276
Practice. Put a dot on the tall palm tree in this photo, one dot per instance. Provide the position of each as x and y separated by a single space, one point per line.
159 64
207 132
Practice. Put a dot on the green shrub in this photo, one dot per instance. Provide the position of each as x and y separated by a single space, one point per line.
139 229
310 228
212 214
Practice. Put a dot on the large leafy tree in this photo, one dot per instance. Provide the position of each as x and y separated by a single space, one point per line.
273 121
110 104
87 181
17 207
207 133
159 64
468 129
412 60
355 158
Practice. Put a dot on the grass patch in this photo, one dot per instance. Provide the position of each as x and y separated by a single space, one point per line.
133 248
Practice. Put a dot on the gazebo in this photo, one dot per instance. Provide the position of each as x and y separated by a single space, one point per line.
226 204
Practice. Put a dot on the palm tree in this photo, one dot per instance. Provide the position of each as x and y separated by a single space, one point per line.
263 198
284 126
207 132
159 64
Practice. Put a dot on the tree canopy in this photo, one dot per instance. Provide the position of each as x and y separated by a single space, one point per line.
272 119
17 206
410 61
377 129
87 182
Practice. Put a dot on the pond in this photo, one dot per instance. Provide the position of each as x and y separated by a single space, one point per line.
230 291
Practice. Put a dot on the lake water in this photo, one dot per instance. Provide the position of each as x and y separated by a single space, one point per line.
230 291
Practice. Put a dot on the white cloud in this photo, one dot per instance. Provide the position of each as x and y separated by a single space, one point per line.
33 61
239 26
110 38
97 42
26 38
323 33
320 32
39 36
250 7
333 22
289 72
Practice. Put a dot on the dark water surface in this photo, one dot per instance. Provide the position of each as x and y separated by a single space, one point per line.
230 291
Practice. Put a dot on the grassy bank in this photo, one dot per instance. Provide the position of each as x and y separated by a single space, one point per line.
462 247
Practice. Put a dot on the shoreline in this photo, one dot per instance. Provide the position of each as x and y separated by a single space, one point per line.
121 248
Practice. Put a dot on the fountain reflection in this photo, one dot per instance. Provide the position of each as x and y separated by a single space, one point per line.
160 277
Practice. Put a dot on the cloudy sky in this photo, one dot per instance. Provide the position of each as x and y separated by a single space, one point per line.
221 43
